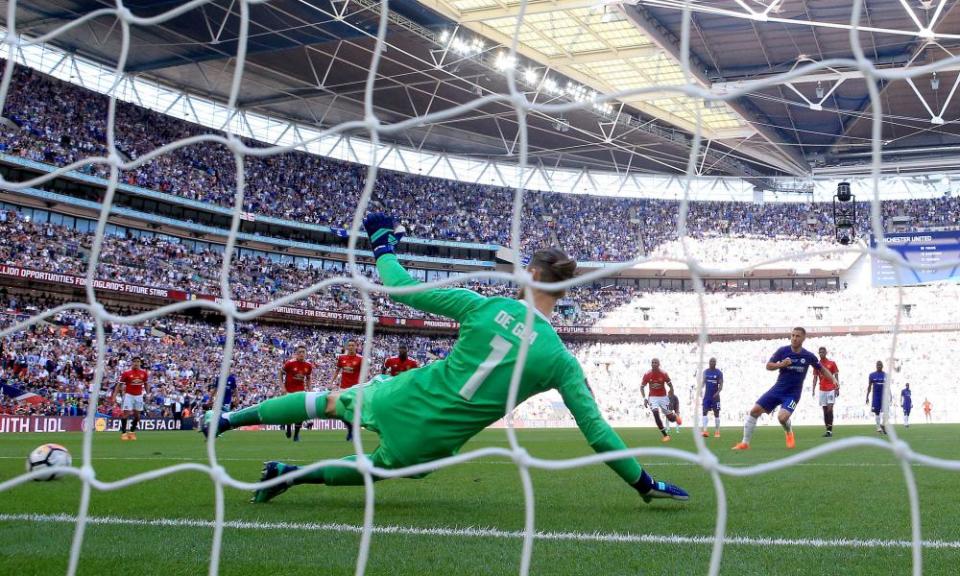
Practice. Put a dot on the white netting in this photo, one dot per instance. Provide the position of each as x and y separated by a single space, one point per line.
516 98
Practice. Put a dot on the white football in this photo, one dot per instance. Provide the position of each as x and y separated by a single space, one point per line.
48 456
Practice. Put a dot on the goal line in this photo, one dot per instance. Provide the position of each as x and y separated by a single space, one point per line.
473 532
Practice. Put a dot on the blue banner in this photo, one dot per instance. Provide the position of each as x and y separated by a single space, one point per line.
935 255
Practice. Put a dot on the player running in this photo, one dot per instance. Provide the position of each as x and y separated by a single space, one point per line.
829 389
399 363
792 361
295 377
877 382
133 382
712 385
431 412
927 408
906 403
659 381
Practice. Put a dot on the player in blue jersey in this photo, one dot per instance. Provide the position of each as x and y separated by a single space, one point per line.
792 362
877 383
228 390
712 385
906 402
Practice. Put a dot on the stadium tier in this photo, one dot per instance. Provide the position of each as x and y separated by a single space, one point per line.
725 235
55 362
308 188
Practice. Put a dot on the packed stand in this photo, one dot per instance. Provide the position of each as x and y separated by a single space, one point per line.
737 252
160 262
614 371
56 360
59 123
861 306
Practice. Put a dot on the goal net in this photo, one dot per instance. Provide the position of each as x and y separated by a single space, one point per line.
517 98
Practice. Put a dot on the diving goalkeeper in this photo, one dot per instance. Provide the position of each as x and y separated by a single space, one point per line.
429 413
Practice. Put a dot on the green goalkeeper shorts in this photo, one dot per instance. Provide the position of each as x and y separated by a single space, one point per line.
385 456
400 443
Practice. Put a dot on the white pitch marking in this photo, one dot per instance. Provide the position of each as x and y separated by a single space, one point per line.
470 532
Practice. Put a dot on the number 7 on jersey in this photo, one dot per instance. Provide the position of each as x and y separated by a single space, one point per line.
500 348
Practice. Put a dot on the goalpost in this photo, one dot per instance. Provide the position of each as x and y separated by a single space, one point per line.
371 124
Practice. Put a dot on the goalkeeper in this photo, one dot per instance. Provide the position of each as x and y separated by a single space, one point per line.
429 413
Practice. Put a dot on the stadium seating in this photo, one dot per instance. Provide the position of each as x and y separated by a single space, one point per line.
162 263
56 360
863 306
60 123
614 372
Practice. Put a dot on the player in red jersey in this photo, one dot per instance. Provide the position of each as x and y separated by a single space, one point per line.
828 389
399 363
295 377
132 381
348 369
659 381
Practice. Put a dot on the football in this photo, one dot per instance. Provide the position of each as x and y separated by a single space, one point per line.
48 456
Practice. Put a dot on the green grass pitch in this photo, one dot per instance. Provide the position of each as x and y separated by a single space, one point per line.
845 512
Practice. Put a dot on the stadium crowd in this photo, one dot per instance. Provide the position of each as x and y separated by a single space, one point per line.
56 359
614 372
731 251
161 262
857 306
58 123
164 263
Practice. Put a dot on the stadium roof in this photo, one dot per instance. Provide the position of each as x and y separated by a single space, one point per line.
308 61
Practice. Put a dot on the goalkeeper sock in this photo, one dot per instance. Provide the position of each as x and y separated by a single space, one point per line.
289 409
748 427
644 484
335 475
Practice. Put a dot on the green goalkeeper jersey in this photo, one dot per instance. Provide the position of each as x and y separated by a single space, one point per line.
433 411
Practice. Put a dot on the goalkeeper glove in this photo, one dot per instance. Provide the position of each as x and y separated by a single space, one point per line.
383 233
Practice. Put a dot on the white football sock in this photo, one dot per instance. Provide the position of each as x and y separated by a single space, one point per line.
704 422
748 427
906 419
787 426
877 417
716 423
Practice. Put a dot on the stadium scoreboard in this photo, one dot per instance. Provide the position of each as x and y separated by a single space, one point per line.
926 250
